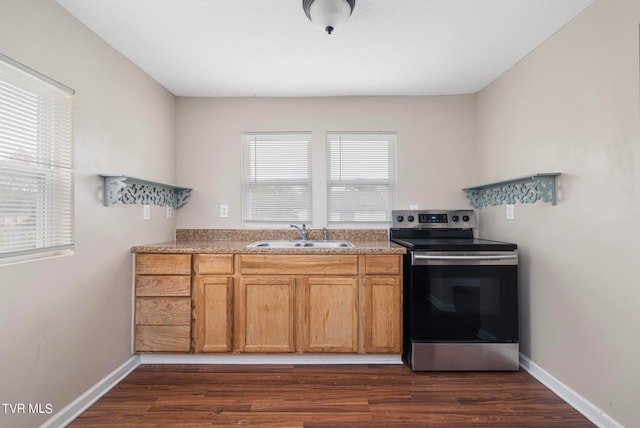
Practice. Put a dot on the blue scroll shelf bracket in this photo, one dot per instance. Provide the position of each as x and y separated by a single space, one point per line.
130 190
526 190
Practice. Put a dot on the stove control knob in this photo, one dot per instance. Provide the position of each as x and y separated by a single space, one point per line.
455 218
465 218
410 218
400 219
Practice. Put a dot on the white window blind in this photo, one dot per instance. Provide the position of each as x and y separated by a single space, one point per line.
362 177
276 178
36 170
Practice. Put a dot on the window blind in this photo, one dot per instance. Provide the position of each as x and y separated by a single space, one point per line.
362 177
36 162
276 178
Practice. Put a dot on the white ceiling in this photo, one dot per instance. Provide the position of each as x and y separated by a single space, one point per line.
269 48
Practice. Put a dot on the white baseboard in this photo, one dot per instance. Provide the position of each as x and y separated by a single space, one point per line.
270 359
575 400
80 404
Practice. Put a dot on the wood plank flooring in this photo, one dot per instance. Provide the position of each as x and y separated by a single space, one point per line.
326 396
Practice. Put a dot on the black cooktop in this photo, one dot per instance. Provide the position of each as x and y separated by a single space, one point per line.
454 244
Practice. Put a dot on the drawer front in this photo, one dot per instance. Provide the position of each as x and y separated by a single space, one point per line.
299 264
214 264
163 310
163 264
161 338
382 265
162 285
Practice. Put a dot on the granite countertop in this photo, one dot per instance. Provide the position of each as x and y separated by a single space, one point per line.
234 241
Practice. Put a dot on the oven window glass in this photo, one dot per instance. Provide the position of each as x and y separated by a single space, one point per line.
464 303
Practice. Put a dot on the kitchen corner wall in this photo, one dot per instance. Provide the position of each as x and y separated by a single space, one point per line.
65 322
436 153
572 106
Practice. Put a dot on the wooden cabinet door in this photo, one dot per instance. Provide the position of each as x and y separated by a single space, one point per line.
265 314
382 315
329 314
213 303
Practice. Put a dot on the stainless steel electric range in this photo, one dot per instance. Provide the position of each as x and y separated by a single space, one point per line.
460 299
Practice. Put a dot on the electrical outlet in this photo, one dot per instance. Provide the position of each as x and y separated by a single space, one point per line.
511 215
146 212
414 206
224 210
169 211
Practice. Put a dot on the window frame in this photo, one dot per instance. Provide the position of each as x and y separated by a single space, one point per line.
36 164
390 182
250 181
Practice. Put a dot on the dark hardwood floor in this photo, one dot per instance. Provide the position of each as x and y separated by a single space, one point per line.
326 396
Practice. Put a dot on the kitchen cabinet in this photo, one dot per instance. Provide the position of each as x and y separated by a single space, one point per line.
213 302
162 319
382 303
382 315
265 309
329 316
268 303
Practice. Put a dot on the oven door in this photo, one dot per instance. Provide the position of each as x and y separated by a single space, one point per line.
463 297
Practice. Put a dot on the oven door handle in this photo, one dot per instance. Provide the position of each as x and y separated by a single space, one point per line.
440 259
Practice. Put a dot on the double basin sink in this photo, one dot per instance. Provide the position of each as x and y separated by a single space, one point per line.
300 243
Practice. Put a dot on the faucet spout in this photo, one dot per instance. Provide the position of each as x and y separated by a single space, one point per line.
302 231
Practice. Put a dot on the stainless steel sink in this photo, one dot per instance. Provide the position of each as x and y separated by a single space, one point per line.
299 243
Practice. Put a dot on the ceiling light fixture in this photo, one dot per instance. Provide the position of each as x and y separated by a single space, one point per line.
328 14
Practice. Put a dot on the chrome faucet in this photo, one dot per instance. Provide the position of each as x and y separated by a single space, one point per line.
303 231
325 232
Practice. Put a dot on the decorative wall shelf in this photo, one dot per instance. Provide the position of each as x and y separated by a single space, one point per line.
131 190
526 190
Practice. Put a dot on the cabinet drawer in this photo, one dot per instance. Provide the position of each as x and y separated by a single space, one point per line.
299 264
382 265
163 310
159 285
161 338
214 264
163 264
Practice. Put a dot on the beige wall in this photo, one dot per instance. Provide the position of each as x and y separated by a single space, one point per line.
436 155
572 106
65 322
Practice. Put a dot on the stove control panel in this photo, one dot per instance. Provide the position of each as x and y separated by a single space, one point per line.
433 219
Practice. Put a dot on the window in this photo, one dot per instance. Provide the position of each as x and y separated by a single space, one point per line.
36 171
276 178
362 177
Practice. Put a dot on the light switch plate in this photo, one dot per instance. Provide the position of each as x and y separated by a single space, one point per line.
511 215
146 212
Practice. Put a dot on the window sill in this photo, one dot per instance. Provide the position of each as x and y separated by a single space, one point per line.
7 261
